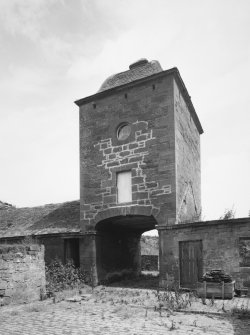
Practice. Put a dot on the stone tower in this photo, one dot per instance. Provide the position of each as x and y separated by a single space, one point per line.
139 164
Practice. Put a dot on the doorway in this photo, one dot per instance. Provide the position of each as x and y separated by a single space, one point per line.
191 267
71 251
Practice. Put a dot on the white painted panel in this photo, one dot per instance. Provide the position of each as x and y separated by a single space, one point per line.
124 187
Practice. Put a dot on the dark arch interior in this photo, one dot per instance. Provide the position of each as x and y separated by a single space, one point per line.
118 244
132 223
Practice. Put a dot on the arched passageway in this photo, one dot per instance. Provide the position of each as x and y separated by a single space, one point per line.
118 243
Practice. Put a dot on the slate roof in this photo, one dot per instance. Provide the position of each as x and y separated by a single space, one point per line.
47 219
138 70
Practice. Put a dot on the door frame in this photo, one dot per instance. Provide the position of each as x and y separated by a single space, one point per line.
199 265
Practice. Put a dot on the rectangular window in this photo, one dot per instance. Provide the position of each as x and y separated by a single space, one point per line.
124 187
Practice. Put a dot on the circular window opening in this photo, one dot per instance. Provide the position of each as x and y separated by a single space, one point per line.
123 131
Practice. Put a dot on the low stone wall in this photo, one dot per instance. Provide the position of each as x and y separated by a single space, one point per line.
149 263
22 273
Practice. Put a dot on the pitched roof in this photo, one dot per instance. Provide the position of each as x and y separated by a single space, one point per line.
138 70
47 219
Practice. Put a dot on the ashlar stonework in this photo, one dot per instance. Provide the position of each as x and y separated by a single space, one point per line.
161 151
140 124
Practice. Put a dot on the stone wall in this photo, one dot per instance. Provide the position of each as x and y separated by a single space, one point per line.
149 263
54 246
22 273
148 152
165 185
225 245
188 175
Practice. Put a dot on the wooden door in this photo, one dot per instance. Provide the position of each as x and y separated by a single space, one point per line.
190 254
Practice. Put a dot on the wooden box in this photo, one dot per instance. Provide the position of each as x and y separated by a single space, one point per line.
215 290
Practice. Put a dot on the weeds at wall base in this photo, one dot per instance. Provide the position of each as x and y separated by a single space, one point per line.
61 277
173 300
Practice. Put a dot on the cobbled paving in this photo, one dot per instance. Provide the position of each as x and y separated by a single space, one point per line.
97 317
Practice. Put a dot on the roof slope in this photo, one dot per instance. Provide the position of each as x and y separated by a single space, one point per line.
138 70
48 219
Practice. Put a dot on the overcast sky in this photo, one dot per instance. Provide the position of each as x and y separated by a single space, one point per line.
56 51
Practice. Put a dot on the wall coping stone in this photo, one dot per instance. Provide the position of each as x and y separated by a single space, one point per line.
204 224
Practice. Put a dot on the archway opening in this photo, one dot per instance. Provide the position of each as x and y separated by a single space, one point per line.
150 253
118 245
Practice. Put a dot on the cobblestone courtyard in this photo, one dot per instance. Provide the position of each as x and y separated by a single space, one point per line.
109 314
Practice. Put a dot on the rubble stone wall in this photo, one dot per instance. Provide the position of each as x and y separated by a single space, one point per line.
22 273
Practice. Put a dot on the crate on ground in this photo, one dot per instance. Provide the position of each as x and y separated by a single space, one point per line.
216 290
216 284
